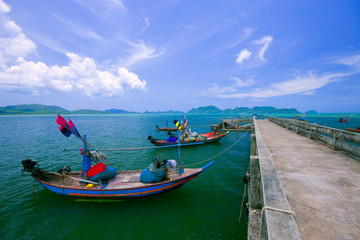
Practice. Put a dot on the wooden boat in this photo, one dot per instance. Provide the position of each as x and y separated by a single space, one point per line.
120 184
300 118
200 139
344 119
126 184
166 129
353 130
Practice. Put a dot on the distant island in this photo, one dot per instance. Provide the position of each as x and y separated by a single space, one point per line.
36 109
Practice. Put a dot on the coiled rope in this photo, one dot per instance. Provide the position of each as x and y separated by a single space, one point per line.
206 160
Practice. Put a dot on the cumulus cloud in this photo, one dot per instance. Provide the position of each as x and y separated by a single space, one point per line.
17 74
13 43
81 74
243 55
265 42
4 8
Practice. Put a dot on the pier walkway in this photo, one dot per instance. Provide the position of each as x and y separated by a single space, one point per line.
322 185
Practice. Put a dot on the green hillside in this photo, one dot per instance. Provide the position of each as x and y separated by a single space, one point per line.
32 109
27 109
241 110
205 110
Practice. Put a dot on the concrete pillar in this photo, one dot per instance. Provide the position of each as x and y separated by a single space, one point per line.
254 186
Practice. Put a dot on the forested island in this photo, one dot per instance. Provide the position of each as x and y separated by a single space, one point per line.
33 109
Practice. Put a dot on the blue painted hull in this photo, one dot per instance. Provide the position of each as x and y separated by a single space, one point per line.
146 189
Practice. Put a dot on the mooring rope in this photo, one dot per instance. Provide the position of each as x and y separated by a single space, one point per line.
114 149
139 148
206 160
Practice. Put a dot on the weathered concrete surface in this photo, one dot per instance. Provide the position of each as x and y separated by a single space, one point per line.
322 185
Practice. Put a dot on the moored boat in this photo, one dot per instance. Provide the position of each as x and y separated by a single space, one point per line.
189 140
166 129
126 184
344 119
353 130
103 181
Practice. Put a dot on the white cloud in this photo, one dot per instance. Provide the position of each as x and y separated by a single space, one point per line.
215 90
147 24
118 3
265 41
245 35
242 83
4 8
16 46
141 51
300 85
353 60
81 74
243 55
78 30
13 43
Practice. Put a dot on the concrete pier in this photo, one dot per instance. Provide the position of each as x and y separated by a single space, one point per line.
321 187
237 124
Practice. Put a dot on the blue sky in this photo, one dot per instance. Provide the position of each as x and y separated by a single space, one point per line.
167 54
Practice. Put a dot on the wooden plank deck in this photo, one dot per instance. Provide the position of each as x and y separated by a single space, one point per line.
322 185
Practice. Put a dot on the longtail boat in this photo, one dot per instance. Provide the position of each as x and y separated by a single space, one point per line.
120 184
353 130
188 140
344 119
166 129
126 184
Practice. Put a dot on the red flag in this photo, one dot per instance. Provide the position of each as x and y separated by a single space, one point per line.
73 128
64 126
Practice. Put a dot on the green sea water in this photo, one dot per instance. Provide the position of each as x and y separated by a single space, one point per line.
207 207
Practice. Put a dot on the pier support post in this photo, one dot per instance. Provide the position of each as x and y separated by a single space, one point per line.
254 186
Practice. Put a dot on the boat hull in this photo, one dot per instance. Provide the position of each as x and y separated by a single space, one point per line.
115 193
166 129
210 139
120 191
352 130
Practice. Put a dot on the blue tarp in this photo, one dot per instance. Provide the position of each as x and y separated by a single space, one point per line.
109 173
151 174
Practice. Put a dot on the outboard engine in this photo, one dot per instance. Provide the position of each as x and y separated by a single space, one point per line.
29 165
33 167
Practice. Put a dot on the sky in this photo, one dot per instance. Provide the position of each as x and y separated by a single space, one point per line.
141 55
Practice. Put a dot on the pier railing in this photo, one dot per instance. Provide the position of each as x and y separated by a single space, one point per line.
270 216
342 140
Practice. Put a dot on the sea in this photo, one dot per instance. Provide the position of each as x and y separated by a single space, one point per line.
207 207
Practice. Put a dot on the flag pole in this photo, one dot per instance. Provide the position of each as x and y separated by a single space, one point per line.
181 167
